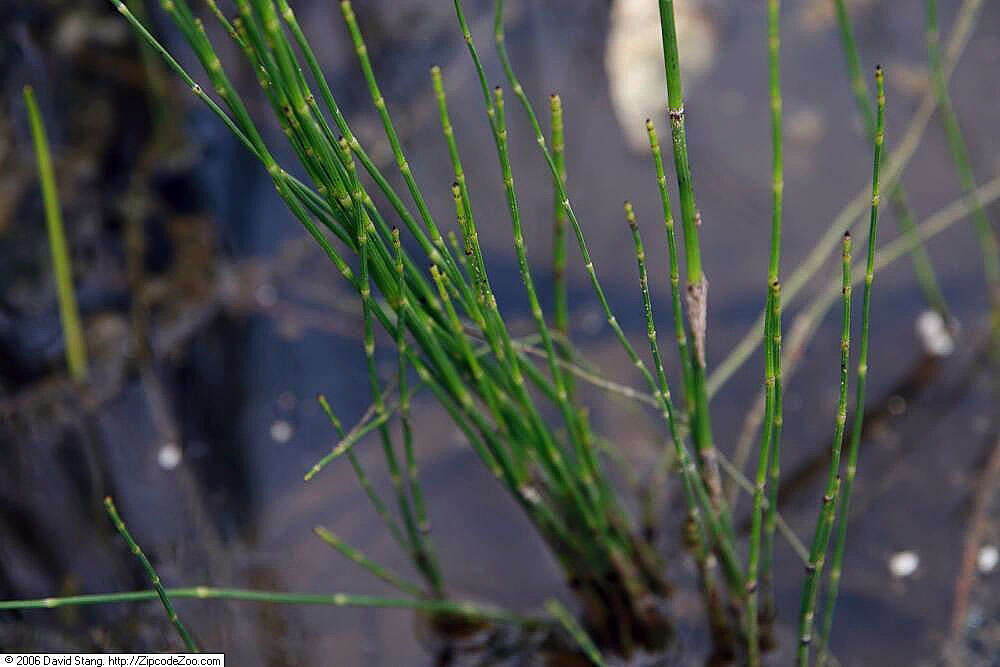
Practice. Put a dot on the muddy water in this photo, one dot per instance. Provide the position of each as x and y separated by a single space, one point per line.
237 392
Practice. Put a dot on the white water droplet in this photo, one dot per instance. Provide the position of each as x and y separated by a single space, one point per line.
904 563
169 456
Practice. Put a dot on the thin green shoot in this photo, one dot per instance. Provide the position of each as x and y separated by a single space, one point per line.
464 609
364 561
76 345
558 611
154 578
843 504
824 520
922 266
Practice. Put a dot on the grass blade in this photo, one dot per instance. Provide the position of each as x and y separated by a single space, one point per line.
76 346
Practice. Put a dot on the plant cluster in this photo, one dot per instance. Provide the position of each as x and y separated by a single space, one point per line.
426 284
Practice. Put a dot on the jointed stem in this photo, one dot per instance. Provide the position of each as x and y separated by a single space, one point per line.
675 293
824 521
697 284
777 194
466 609
896 163
154 579
843 504
922 266
718 515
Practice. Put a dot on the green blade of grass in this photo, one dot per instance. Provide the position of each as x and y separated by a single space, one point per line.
76 346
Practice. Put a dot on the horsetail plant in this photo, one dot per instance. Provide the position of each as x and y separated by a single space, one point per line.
560 303
858 206
824 522
431 295
696 289
768 456
843 502
923 269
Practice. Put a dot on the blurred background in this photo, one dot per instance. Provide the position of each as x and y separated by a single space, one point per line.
212 322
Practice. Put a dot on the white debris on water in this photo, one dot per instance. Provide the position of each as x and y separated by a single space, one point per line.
987 559
281 431
934 334
169 456
904 564
633 60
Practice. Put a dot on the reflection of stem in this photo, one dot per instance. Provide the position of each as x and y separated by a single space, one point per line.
985 491
960 157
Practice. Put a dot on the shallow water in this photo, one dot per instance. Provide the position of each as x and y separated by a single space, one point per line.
249 342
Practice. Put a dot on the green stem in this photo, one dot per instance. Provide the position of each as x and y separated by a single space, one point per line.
843 504
675 292
359 471
695 494
697 284
760 483
154 579
897 162
558 611
560 302
922 266
824 520
466 609
777 206
364 561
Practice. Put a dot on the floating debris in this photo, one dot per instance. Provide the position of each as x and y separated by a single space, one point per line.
934 334
169 456
987 559
633 60
904 564
281 431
